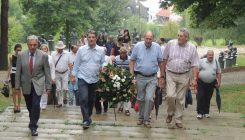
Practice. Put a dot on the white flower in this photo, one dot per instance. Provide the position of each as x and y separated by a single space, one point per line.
115 77
123 80
118 83
124 90
124 77
118 78
107 89
124 95
114 85
114 99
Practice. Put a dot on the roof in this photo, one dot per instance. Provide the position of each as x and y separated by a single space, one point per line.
164 13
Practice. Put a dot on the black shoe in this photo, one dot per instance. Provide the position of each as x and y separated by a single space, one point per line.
98 111
34 133
86 125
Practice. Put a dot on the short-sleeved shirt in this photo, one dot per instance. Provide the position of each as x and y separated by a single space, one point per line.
208 70
180 58
147 59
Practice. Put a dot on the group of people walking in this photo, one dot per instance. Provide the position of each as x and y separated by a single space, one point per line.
75 75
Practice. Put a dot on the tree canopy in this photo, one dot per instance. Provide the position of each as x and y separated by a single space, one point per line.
210 13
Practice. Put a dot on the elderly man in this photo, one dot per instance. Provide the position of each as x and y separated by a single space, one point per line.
87 65
209 77
180 58
122 61
32 75
144 62
61 63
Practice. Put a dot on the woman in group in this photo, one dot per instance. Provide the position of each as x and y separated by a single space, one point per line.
11 76
116 49
44 98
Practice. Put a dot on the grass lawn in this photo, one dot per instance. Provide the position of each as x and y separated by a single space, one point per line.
233 98
241 60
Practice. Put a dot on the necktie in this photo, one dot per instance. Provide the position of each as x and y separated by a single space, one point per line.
31 63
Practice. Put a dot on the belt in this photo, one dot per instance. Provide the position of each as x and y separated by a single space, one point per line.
178 72
61 72
137 72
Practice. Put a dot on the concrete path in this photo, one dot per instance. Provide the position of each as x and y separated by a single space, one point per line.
64 123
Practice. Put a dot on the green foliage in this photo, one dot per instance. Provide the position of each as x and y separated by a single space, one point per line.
109 15
15 33
169 30
49 16
211 13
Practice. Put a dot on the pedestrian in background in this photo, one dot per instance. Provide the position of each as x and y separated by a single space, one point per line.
11 76
209 77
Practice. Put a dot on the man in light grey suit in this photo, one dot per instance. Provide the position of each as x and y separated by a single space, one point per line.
32 75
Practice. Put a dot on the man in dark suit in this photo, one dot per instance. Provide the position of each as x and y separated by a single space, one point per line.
32 75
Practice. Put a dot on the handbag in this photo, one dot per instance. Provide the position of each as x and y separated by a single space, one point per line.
5 90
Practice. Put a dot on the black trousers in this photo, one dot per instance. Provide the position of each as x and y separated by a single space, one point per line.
98 106
204 95
33 107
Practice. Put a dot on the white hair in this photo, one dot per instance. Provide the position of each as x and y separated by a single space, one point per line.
186 32
32 37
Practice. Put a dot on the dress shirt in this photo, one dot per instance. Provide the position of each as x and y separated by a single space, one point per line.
147 59
180 58
88 63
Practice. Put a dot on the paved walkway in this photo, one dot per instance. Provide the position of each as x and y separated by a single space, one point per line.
64 123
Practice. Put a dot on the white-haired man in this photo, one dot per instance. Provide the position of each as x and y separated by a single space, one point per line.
32 75
180 58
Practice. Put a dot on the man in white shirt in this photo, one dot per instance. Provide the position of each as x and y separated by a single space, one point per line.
61 63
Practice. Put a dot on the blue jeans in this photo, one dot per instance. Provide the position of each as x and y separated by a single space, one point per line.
86 93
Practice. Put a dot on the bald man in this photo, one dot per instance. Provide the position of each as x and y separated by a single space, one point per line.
145 59
209 77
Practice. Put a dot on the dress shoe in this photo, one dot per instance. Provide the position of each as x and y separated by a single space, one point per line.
147 124
34 133
127 113
98 111
169 119
59 106
86 125
65 101
120 109
140 122
179 125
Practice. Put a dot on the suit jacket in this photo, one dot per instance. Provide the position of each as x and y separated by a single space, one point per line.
40 77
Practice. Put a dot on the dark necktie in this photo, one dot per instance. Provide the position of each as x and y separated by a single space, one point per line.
31 63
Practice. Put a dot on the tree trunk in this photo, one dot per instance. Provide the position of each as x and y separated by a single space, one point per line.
4 35
67 34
